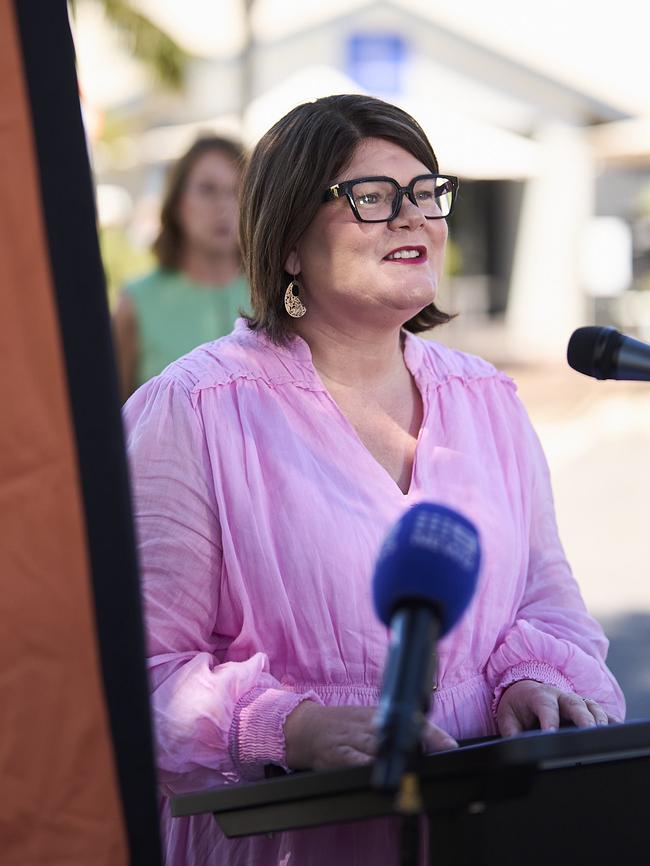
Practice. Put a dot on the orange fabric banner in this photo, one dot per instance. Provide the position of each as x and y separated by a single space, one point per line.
59 801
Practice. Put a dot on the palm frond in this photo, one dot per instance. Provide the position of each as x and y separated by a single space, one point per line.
146 42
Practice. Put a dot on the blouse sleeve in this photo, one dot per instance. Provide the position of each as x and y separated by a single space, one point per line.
553 639
214 722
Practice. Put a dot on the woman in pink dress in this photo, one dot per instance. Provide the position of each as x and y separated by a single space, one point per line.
268 467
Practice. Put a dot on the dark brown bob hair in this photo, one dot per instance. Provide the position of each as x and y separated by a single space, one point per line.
283 185
168 246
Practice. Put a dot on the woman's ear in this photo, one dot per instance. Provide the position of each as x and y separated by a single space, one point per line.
292 264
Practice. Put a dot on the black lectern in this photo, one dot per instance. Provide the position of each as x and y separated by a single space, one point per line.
569 797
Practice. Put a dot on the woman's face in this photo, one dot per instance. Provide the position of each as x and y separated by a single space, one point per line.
207 210
346 266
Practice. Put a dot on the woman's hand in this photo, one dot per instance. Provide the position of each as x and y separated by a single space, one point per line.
527 704
319 738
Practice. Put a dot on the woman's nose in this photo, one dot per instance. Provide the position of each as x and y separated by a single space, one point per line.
409 215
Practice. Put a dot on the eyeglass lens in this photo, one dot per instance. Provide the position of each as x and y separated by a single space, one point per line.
375 199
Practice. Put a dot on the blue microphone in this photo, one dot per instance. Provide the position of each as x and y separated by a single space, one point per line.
424 580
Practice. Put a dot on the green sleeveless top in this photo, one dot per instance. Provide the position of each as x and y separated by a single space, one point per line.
176 314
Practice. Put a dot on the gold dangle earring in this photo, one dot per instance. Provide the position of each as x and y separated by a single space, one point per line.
292 303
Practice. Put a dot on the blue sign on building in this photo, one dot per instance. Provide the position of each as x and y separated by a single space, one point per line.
376 61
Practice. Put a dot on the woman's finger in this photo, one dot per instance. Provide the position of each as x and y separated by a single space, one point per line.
544 706
575 709
364 742
341 755
348 756
599 714
437 740
510 727
509 724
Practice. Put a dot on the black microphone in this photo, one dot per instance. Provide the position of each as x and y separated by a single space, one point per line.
424 580
605 353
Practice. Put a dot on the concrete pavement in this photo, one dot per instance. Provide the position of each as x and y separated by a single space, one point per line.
596 436
597 440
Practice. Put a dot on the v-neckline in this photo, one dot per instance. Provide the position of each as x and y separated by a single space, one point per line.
299 350
413 368
371 457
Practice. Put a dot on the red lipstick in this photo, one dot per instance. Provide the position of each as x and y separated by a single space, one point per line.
407 255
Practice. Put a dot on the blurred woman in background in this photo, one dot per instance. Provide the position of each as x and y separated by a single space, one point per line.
196 291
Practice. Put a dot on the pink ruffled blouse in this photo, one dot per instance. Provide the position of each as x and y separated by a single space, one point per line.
259 516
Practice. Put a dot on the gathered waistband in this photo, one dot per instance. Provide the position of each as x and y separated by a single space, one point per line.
367 694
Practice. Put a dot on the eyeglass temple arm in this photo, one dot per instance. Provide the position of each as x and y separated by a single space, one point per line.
332 193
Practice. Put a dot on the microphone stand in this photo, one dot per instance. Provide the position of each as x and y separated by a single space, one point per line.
406 698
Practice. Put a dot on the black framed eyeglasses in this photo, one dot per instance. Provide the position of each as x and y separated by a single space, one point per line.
379 199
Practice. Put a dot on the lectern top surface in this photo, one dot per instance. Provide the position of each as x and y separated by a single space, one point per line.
534 749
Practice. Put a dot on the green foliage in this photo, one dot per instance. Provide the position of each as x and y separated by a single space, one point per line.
644 200
453 258
149 43
146 42
122 259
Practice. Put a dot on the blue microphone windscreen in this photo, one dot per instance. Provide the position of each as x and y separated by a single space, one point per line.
432 555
